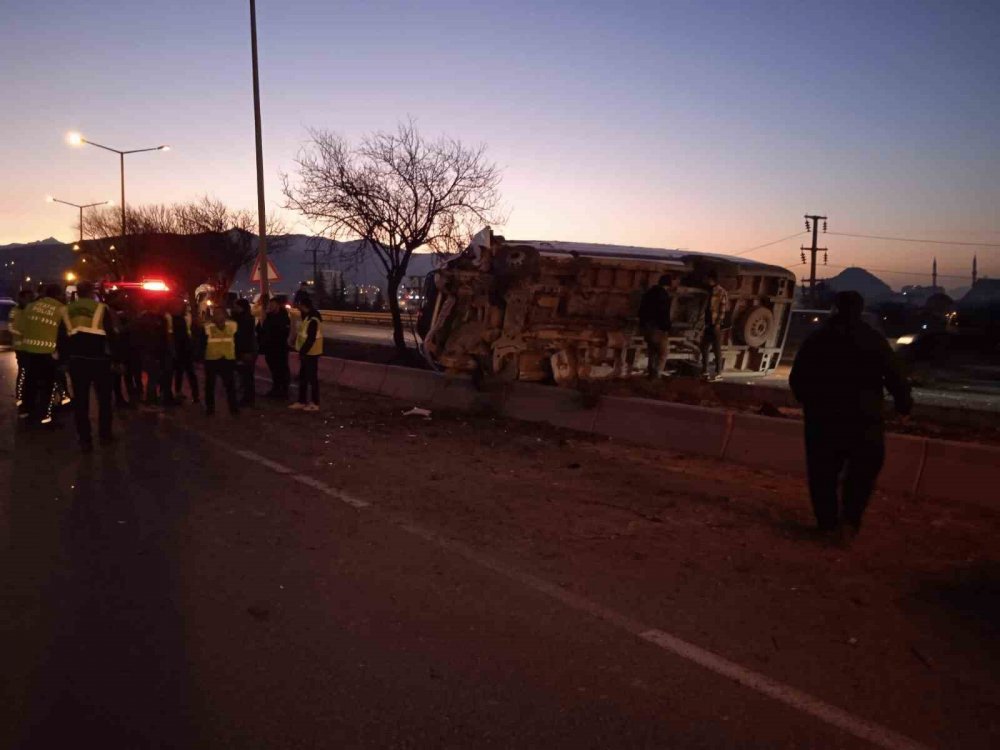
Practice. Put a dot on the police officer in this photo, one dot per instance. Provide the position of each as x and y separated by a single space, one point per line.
839 376
90 328
24 298
39 327
309 344
220 360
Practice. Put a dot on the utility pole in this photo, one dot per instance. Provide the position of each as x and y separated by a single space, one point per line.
975 270
934 276
261 217
814 249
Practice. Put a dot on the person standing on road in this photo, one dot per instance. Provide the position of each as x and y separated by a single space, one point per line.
39 326
654 323
183 350
274 332
89 329
246 351
149 336
24 298
309 344
220 360
838 376
715 313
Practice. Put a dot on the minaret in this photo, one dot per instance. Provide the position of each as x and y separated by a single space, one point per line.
975 273
934 275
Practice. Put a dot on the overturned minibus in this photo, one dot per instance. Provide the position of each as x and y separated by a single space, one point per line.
565 311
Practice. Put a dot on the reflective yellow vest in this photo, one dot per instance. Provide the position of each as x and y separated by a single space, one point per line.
317 348
85 316
12 326
221 341
39 325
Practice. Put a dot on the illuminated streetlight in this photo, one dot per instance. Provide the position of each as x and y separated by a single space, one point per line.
75 139
70 276
50 199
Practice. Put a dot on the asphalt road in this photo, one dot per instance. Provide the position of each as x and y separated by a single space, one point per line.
177 591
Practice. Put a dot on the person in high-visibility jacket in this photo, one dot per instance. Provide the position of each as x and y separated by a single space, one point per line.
220 360
24 298
309 344
90 328
39 328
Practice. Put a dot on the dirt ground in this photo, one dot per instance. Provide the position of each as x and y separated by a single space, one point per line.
902 628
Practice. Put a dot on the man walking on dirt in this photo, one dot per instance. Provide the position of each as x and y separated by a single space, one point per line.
654 323
839 376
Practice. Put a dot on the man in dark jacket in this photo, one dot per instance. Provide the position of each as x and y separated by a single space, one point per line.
654 323
274 333
839 376
183 365
150 339
246 350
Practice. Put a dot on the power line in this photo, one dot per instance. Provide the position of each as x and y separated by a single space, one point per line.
910 239
768 244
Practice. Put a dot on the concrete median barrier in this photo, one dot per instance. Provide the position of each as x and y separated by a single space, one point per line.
459 394
561 407
362 376
330 369
767 442
691 429
406 384
961 471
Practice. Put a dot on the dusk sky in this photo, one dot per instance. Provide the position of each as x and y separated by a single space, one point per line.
705 125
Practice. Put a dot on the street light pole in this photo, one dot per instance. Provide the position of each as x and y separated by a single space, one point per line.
75 139
50 199
261 218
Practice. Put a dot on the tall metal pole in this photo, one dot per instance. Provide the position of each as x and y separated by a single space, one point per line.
261 217
81 224
121 157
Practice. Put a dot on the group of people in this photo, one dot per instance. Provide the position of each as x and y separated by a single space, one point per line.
655 323
136 353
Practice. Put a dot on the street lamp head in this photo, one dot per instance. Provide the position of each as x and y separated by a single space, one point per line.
49 199
74 139
163 148
109 202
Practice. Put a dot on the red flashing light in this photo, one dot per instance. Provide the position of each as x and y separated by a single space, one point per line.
155 286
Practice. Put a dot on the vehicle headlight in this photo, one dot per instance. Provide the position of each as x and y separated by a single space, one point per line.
905 340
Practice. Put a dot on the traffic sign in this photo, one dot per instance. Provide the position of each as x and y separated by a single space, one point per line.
272 272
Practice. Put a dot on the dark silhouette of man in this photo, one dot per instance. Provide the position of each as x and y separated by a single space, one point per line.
654 323
839 376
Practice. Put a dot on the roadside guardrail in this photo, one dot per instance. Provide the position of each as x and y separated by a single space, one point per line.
357 316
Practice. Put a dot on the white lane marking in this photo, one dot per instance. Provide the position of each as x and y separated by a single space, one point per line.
861 728
291 473
807 704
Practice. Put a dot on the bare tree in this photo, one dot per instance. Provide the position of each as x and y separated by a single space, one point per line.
397 192
216 262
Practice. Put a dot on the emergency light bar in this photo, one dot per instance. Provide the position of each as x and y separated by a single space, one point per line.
155 286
